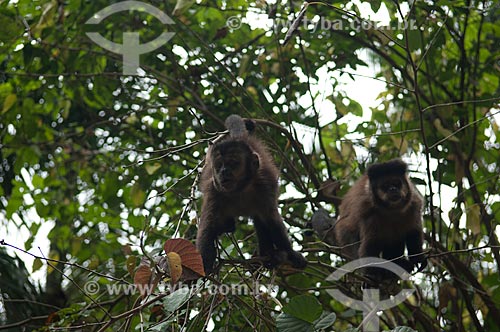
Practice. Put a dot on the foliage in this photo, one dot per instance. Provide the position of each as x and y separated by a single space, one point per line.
109 163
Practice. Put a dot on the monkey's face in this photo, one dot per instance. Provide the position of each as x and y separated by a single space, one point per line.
391 191
233 166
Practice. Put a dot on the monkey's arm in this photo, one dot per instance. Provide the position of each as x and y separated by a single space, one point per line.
323 226
207 234
205 243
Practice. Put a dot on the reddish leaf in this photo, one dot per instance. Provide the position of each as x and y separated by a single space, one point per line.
127 249
53 317
188 274
190 257
142 278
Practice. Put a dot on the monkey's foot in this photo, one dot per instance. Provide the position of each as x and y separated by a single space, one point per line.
298 261
283 257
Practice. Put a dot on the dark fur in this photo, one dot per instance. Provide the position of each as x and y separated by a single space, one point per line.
379 216
241 179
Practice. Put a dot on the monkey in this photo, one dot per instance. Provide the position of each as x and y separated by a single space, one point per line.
380 215
240 179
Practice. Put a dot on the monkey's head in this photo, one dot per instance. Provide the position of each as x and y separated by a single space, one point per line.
234 164
389 184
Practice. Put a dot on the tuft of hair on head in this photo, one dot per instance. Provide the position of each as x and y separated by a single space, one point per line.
238 128
391 167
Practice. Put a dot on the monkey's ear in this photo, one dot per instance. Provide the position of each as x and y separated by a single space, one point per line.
255 161
250 125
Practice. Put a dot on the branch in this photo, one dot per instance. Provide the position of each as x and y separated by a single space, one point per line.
416 92
23 322
51 260
457 267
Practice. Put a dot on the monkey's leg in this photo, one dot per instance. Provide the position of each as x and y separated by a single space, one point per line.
208 230
205 243
414 243
370 248
264 238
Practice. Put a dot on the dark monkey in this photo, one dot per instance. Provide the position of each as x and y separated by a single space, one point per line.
380 215
241 179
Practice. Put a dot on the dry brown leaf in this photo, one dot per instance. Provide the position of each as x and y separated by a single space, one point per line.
175 266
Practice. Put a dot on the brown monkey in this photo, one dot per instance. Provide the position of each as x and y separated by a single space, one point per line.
380 215
241 179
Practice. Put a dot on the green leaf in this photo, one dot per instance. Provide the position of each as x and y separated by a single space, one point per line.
305 307
76 245
175 300
138 195
325 321
37 264
287 323
401 329
152 168
414 39
47 18
473 219
13 205
355 108
9 102
340 107
375 4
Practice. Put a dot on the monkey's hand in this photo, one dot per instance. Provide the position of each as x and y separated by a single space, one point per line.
323 226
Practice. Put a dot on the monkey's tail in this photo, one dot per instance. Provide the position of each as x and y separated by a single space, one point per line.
324 226
239 128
